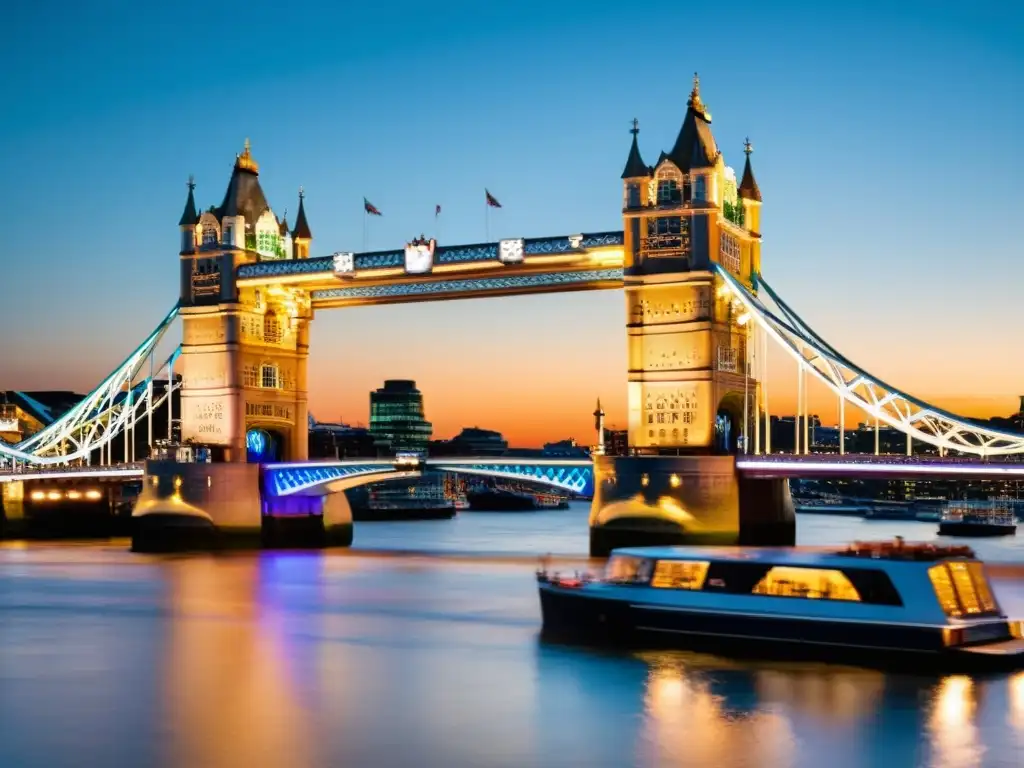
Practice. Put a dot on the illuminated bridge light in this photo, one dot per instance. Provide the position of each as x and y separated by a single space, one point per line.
577 478
795 467
286 479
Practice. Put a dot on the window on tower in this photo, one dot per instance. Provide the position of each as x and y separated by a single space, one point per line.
669 192
632 195
209 235
667 236
700 188
269 378
271 328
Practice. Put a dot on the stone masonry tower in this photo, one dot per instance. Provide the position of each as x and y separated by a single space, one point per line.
688 373
244 350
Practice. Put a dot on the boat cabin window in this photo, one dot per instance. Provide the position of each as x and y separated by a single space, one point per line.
628 570
811 583
679 574
962 589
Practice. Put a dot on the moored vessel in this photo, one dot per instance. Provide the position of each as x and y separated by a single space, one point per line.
420 501
872 604
994 517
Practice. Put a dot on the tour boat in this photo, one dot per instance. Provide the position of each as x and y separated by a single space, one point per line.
873 604
994 517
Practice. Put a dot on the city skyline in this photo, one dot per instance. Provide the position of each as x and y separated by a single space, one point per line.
871 263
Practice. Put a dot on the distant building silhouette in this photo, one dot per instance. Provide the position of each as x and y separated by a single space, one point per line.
396 417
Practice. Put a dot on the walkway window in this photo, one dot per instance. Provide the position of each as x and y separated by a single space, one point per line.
269 377
809 583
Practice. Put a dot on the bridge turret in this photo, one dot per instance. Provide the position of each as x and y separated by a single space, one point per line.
189 220
301 234
636 183
750 194
286 236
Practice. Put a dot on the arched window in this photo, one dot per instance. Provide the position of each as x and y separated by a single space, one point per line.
271 328
269 378
209 235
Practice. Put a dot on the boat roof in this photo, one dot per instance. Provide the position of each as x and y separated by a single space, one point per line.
855 555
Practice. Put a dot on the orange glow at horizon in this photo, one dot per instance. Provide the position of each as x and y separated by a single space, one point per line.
532 367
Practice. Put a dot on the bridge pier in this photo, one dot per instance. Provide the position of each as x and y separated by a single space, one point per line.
185 506
671 500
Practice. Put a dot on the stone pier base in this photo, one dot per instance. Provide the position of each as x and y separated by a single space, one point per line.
221 506
694 500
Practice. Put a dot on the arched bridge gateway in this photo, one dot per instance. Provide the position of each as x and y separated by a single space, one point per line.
700 320
574 476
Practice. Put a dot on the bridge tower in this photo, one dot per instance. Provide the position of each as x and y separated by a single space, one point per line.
244 351
688 363
692 398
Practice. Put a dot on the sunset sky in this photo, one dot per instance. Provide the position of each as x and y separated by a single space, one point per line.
887 147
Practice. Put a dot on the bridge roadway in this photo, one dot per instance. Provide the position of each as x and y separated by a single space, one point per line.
572 475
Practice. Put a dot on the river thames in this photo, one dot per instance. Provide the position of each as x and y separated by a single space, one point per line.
419 647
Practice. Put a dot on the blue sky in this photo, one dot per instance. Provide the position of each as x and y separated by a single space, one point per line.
887 147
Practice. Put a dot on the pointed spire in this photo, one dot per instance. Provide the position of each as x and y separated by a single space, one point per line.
635 167
695 145
244 161
189 217
748 184
600 410
282 225
694 101
301 225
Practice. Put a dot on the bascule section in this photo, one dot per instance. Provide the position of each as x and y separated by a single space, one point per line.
692 396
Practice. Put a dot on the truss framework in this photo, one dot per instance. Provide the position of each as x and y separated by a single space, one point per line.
116 405
889 405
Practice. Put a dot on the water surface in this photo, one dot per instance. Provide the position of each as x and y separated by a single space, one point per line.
374 658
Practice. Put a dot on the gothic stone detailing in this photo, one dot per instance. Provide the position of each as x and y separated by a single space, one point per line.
451 255
495 284
671 414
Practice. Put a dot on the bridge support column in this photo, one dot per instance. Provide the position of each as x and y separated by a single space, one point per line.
12 509
651 500
197 507
213 506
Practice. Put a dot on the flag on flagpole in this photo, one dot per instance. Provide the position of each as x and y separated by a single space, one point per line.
492 200
437 210
370 208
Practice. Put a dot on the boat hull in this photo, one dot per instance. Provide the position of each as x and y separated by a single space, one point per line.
365 515
571 615
497 501
975 530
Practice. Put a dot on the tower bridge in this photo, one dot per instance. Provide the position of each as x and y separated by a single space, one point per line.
700 318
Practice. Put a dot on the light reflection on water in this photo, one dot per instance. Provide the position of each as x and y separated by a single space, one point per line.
309 659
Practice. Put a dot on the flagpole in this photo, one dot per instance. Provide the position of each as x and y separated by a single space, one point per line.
366 217
487 221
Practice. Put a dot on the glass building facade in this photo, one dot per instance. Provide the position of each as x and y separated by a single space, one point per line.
396 417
